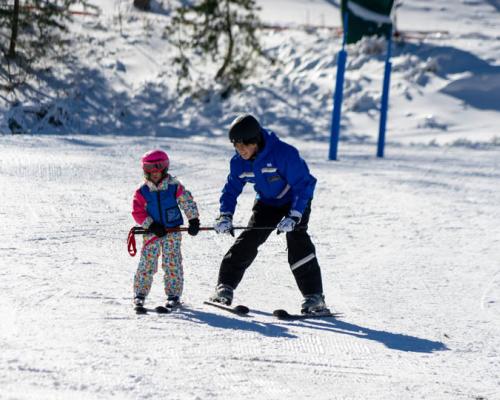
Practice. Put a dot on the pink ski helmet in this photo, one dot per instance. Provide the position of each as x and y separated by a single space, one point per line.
155 161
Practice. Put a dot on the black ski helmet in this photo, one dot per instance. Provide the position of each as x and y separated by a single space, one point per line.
245 129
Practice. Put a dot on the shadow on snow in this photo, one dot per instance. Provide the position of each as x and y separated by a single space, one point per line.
395 341
86 102
237 323
479 88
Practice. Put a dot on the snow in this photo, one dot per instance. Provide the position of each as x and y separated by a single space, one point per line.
409 248
118 77
408 245
299 12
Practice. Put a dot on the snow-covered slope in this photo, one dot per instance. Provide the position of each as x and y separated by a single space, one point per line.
409 249
409 245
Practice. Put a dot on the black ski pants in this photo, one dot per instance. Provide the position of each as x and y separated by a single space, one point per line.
301 251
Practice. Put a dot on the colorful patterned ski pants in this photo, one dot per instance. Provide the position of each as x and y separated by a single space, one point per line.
171 263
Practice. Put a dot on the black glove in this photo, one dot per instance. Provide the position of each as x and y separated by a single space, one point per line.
158 229
194 226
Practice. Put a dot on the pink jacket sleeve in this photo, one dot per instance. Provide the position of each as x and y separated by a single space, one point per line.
139 208
180 191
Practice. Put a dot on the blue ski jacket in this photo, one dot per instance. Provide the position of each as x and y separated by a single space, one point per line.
162 205
279 175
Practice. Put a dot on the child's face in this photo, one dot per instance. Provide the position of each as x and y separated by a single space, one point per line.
155 177
246 151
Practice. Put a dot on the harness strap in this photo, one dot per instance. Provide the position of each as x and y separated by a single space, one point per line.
131 247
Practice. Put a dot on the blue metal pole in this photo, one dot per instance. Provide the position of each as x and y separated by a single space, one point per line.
337 99
385 99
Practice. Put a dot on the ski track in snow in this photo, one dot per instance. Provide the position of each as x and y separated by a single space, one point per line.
409 248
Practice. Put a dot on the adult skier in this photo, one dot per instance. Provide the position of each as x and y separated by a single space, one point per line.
284 189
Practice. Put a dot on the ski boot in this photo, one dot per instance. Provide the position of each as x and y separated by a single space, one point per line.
173 302
314 304
139 304
223 295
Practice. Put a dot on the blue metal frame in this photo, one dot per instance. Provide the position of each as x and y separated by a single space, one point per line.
337 99
384 105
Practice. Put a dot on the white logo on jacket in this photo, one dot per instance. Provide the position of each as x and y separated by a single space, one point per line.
246 175
269 169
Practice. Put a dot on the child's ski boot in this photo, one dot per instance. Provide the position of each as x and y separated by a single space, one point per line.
139 305
173 302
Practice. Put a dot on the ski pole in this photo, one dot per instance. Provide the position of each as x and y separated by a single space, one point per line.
137 230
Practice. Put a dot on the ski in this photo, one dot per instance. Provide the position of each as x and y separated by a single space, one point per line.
159 310
286 316
238 310
162 310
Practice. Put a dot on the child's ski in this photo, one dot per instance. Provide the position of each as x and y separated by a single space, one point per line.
162 310
286 316
158 310
238 310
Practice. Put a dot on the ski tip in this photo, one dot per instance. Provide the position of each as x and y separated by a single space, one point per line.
140 310
162 310
241 309
281 314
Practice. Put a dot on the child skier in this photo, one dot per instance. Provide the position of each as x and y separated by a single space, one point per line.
156 207
284 189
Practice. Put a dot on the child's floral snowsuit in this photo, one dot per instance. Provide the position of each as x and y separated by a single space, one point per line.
169 245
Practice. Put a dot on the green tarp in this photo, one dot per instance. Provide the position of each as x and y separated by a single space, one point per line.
367 18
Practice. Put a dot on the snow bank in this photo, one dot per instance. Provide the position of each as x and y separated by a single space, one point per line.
120 80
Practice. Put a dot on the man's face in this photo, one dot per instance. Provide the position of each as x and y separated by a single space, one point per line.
246 151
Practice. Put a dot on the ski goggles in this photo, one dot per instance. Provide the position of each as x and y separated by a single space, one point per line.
154 167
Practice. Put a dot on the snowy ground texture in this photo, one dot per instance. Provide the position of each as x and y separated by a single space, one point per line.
409 248
409 245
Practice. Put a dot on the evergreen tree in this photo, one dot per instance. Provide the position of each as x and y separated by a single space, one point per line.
33 27
31 30
220 31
